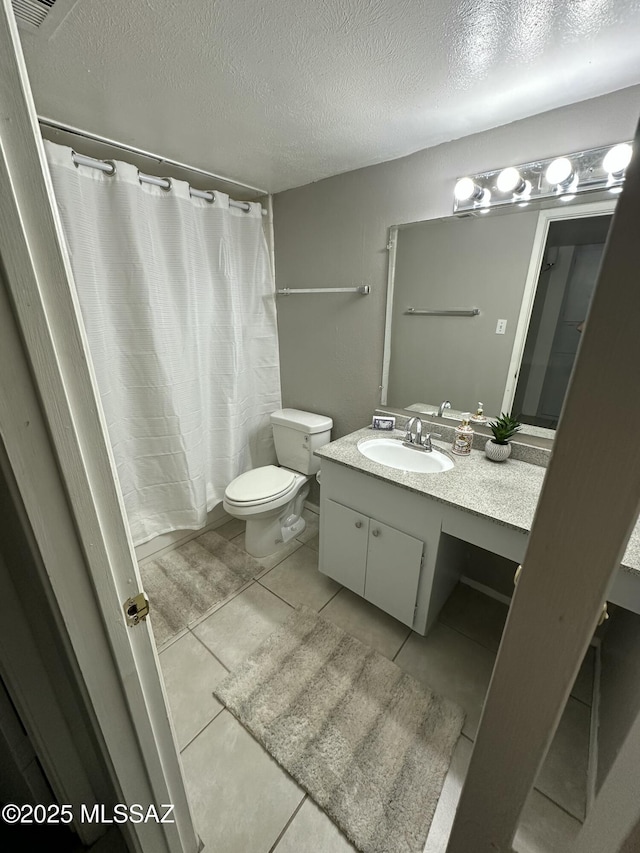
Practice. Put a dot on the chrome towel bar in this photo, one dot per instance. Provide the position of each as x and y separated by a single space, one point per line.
449 312
364 290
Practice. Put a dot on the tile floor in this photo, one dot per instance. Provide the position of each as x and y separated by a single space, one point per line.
243 802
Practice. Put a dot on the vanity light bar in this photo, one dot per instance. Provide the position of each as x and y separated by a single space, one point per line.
559 177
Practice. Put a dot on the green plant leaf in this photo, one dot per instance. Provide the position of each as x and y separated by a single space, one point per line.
504 428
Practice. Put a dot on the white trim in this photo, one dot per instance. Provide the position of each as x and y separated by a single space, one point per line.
545 217
56 443
486 590
34 468
271 238
594 724
392 247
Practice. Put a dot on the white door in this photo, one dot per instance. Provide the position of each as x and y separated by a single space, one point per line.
394 563
588 507
52 428
343 549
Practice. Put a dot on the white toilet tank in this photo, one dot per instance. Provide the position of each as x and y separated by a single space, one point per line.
296 435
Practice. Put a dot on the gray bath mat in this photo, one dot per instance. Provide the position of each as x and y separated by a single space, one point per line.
187 582
368 743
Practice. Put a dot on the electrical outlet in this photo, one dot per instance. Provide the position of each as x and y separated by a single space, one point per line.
501 327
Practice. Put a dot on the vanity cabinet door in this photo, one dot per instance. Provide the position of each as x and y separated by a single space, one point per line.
394 561
344 545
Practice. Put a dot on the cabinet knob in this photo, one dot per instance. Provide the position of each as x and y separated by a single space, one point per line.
375 532
358 524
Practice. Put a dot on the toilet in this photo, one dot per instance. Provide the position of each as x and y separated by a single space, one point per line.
270 499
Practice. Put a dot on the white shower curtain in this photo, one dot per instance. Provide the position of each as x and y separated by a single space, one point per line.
177 299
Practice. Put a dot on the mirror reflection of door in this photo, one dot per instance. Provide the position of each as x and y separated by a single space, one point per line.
567 278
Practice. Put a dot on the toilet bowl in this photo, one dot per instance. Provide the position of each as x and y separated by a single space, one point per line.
271 498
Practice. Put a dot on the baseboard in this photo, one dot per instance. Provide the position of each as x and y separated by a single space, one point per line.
170 541
111 842
480 587
592 766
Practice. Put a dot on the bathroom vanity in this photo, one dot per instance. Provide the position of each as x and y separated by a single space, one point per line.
383 531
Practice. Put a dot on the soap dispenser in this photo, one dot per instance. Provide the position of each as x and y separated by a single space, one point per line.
463 437
479 417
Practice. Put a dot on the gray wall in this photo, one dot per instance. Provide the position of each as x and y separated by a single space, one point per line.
619 686
335 232
458 263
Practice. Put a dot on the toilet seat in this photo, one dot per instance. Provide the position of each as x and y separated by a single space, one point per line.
261 485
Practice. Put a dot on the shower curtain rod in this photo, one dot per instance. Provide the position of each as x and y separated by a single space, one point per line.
106 166
109 168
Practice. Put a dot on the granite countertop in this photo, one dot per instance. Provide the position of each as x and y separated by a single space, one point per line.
505 492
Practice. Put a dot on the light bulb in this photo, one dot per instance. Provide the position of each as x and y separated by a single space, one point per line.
510 181
617 159
559 171
466 189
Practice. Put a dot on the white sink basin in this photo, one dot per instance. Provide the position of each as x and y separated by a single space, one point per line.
389 451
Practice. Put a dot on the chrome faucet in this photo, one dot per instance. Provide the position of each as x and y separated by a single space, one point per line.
427 440
444 405
409 437
416 441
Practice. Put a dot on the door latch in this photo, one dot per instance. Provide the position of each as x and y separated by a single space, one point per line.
136 609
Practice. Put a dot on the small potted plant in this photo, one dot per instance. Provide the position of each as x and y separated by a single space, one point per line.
503 428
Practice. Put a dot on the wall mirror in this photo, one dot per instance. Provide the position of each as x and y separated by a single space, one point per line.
490 308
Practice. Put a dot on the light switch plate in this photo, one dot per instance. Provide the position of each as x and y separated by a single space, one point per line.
501 327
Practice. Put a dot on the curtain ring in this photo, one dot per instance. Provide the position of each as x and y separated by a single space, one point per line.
206 195
111 163
153 181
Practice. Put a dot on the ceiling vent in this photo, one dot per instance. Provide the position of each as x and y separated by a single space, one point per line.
32 12
42 16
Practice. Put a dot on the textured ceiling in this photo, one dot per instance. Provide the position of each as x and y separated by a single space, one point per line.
280 93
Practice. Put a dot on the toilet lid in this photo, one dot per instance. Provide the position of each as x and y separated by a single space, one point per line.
261 484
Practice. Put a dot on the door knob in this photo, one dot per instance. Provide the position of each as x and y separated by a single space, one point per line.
375 532
358 524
